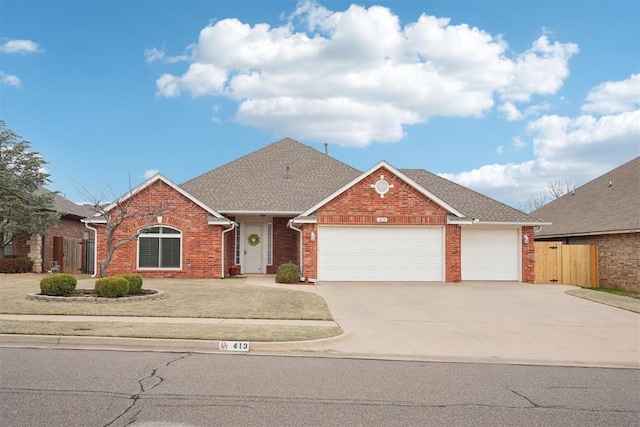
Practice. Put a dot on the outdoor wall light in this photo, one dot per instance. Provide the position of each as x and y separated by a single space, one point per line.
525 239
312 237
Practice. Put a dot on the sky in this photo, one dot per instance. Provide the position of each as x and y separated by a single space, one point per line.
500 96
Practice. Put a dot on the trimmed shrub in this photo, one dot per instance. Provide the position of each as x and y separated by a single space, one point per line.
17 264
58 284
112 287
135 282
288 272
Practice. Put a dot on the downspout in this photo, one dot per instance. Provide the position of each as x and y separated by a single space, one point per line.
299 230
95 249
233 225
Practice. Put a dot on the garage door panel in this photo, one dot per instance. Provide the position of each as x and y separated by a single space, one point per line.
380 253
490 254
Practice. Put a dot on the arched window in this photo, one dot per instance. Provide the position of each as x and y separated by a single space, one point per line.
160 247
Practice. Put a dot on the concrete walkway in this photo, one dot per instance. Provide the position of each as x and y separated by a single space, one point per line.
470 322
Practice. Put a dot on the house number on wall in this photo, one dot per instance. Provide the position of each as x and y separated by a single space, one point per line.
382 219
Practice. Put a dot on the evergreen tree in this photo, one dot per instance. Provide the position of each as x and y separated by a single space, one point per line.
22 209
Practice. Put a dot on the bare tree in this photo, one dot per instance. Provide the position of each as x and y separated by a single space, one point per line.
112 216
556 188
535 201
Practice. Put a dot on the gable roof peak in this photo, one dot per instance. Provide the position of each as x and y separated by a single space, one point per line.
397 173
159 177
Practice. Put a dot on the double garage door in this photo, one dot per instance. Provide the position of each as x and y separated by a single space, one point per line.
381 253
386 253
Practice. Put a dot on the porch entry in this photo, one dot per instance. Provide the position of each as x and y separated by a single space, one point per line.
252 243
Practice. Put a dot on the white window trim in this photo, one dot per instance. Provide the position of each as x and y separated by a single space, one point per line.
171 236
237 254
269 243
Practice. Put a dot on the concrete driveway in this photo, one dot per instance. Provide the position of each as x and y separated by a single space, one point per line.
497 322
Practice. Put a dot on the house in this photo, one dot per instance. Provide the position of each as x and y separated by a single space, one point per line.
603 212
48 250
290 202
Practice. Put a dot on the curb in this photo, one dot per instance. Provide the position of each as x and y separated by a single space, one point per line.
156 344
617 301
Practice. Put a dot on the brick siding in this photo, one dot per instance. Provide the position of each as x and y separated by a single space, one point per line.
285 244
201 242
528 256
67 226
618 259
402 205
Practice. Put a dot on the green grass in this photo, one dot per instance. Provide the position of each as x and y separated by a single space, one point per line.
621 292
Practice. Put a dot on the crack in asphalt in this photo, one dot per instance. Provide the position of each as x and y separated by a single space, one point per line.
534 404
246 401
146 384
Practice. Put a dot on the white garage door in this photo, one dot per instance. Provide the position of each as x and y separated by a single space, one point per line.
490 254
380 253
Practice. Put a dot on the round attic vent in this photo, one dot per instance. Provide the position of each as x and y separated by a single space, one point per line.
382 187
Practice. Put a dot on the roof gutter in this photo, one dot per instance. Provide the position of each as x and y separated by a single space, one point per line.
299 230
270 213
233 225
591 233
476 221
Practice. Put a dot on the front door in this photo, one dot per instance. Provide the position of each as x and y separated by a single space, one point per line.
253 248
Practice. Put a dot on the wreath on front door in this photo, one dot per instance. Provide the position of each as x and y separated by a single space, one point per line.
253 239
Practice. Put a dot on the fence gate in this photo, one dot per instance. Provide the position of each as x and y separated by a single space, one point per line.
563 264
88 254
68 254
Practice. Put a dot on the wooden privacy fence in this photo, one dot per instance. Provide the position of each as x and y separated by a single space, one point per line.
566 264
68 254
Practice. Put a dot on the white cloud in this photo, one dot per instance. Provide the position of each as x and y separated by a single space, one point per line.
10 79
351 69
573 149
540 70
614 97
150 173
20 46
154 54
500 149
518 143
510 111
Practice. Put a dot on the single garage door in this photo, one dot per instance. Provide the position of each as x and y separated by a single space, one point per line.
381 253
490 254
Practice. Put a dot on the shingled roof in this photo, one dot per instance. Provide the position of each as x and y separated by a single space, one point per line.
608 204
64 206
285 176
471 204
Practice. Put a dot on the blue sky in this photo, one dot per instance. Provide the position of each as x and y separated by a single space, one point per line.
500 96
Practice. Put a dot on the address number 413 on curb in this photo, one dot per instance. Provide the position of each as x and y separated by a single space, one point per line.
234 346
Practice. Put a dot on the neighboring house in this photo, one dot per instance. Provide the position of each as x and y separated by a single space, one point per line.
40 248
290 202
604 212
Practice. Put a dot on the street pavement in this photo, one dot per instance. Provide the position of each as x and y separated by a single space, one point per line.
511 323
61 387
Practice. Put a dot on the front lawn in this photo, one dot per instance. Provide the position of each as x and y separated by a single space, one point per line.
622 292
227 299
